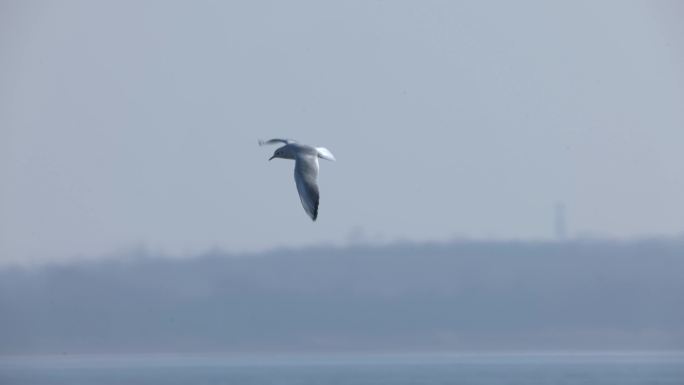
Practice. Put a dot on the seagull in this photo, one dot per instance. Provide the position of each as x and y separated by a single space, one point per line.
305 171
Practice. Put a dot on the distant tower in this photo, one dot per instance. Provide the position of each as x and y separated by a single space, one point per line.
559 221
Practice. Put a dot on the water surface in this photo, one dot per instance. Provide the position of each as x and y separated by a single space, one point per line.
347 369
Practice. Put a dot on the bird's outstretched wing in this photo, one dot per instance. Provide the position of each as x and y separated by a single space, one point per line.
305 174
275 141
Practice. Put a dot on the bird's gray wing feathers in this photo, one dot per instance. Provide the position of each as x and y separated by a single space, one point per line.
306 172
275 141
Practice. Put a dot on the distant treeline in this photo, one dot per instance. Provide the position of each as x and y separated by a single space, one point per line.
575 295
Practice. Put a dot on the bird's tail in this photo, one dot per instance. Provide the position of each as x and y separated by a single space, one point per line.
325 153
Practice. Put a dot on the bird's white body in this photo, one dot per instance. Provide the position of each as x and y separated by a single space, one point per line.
305 171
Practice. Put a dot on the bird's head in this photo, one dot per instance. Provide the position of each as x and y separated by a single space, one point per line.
282 152
276 154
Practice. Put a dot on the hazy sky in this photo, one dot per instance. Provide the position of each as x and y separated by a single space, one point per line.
136 122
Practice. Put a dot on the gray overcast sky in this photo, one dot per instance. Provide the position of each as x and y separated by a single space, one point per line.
135 123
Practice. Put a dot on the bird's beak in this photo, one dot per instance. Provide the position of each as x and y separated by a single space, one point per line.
271 157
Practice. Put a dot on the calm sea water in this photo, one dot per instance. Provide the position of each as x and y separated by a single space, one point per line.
400 369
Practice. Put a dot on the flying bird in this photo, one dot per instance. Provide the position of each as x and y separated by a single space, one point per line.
305 171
